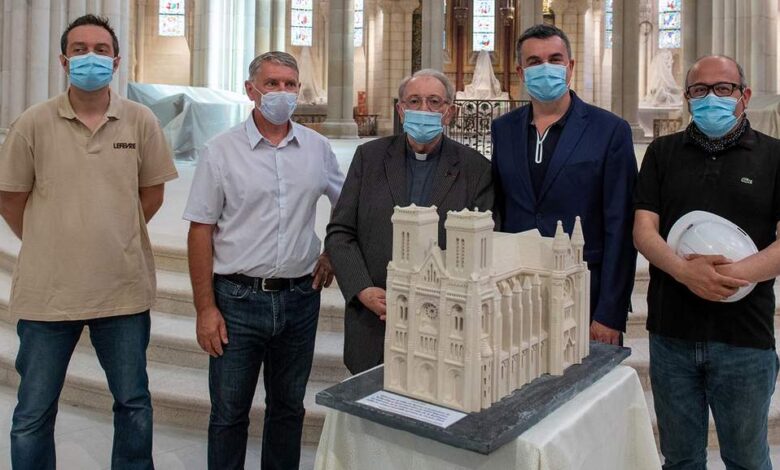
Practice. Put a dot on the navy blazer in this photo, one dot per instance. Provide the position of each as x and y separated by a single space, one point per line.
592 175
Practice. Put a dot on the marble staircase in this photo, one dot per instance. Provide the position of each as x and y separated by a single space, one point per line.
178 368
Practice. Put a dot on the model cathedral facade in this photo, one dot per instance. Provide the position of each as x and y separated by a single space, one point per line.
469 325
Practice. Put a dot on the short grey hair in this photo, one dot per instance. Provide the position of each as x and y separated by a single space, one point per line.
277 57
740 70
448 86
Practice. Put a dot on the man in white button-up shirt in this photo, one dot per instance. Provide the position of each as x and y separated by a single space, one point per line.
256 266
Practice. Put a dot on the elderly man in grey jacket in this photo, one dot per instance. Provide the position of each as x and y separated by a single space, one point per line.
420 166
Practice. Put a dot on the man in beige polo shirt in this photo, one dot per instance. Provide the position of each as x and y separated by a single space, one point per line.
80 176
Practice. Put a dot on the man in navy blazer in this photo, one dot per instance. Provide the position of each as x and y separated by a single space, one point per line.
559 158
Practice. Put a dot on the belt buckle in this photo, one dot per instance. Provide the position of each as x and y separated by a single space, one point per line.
264 288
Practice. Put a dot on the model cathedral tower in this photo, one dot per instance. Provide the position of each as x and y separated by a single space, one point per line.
469 325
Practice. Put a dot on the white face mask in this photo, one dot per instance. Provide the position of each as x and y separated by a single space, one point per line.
277 106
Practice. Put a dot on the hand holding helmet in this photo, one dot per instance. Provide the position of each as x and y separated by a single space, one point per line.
708 239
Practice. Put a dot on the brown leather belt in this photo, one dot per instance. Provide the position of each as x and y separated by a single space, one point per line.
267 284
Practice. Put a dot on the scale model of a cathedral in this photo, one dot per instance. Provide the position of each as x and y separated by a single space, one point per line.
469 325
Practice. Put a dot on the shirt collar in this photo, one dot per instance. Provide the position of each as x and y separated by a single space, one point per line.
65 108
434 153
560 122
255 137
747 141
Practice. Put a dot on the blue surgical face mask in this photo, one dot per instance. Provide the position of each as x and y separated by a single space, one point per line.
422 126
90 72
277 106
714 115
545 82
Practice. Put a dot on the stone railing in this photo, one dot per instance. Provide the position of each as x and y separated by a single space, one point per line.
471 125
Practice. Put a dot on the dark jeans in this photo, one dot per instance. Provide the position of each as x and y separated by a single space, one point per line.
275 330
45 349
735 383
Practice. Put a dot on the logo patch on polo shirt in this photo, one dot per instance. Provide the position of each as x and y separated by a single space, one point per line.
746 180
124 145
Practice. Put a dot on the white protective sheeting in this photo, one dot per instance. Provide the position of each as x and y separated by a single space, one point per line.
484 84
764 114
606 426
190 116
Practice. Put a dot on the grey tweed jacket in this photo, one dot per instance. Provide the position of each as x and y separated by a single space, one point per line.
360 235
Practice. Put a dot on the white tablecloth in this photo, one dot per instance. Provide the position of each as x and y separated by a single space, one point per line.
607 426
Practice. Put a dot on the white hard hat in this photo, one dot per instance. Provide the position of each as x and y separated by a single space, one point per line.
705 233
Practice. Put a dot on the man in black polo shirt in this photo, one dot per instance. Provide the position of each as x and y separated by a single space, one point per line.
704 352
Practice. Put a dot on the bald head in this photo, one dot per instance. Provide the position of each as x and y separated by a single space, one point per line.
713 69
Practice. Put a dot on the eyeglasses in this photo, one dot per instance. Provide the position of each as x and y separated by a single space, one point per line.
700 90
435 103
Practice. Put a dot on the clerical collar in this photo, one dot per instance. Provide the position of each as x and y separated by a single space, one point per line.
421 157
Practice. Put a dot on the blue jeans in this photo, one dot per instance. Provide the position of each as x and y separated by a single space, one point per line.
275 330
736 383
45 349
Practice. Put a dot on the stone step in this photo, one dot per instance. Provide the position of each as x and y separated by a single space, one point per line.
180 395
172 341
174 292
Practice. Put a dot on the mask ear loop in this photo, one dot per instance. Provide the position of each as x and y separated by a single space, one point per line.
744 107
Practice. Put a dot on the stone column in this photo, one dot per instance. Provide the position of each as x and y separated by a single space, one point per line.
530 13
587 56
17 12
340 123
263 26
379 99
5 67
746 31
432 34
140 39
279 26
762 39
38 63
625 63
397 18
729 27
690 45
224 43
118 14
570 16
200 51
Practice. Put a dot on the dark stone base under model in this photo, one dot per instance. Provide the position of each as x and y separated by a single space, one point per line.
487 430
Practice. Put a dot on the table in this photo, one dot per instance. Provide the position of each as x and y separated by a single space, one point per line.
606 426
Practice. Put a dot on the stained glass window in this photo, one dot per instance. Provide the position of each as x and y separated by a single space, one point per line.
608 24
171 19
484 26
669 22
301 18
358 23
